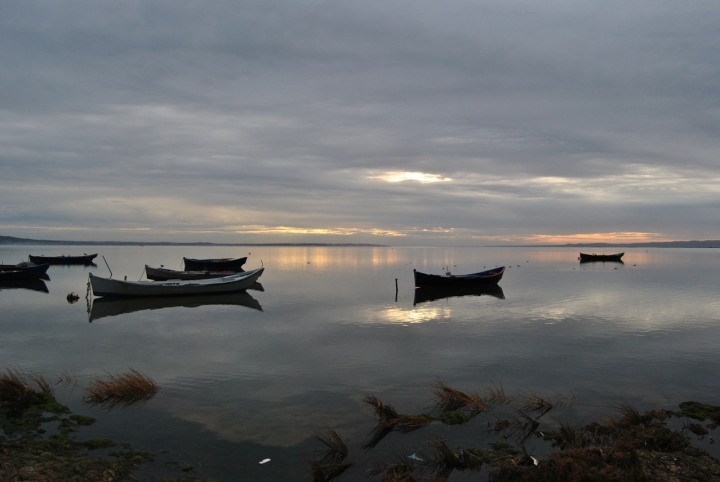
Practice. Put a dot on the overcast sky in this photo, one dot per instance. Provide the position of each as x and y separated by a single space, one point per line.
392 122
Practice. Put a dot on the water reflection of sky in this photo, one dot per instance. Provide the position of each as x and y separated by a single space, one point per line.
331 332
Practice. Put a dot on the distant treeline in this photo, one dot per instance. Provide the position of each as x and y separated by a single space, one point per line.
13 240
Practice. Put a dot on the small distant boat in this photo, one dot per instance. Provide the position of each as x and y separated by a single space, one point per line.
219 264
114 306
601 257
84 259
489 277
113 287
426 294
164 274
22 271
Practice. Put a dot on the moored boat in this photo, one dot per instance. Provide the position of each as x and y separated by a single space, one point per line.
84 259
22 271
218 264
164 274
112 287
601 257
489 277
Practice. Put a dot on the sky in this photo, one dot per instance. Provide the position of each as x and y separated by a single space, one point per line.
391 122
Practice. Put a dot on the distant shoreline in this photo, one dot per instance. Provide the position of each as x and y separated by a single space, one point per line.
711 243
10 240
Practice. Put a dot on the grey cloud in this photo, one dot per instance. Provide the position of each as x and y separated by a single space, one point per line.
283 108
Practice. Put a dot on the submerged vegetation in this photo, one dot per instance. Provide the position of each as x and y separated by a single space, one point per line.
38 440
630 446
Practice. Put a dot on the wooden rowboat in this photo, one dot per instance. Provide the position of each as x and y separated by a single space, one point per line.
84 259
164 274
226 284
219 264
23 271
489 277
601 257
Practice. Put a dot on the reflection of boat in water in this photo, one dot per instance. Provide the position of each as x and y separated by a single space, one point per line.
601 257
85 259
433 293
484 278
227 284
35 284
103 307
616 261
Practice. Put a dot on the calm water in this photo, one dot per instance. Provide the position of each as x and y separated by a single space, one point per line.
253 377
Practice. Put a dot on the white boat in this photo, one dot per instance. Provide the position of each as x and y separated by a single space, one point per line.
226 284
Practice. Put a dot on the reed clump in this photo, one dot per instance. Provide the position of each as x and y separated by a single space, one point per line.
125 390
334 459
18 390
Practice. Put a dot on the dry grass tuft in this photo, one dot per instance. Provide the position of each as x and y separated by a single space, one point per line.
389 419
401 469
123 390
336 450
14 388
332 464
449 400
42 383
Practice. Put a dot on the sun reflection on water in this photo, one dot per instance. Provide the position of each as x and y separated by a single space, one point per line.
419 314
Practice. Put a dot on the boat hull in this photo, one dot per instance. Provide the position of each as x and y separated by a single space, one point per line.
227 284
221 264
601 257
85 259
21 272
164 274
484 278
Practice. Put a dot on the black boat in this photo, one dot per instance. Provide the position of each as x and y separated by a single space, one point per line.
84 259
425 294
23 271
220 264
489 277
601 257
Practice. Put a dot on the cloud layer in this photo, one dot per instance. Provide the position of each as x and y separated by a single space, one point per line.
394 122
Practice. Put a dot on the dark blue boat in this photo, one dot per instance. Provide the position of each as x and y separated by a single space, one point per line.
601 257
489 277
220 264
22 271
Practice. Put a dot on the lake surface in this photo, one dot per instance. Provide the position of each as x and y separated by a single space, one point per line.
254 377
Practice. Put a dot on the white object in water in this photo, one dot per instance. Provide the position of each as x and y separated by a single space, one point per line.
264 461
